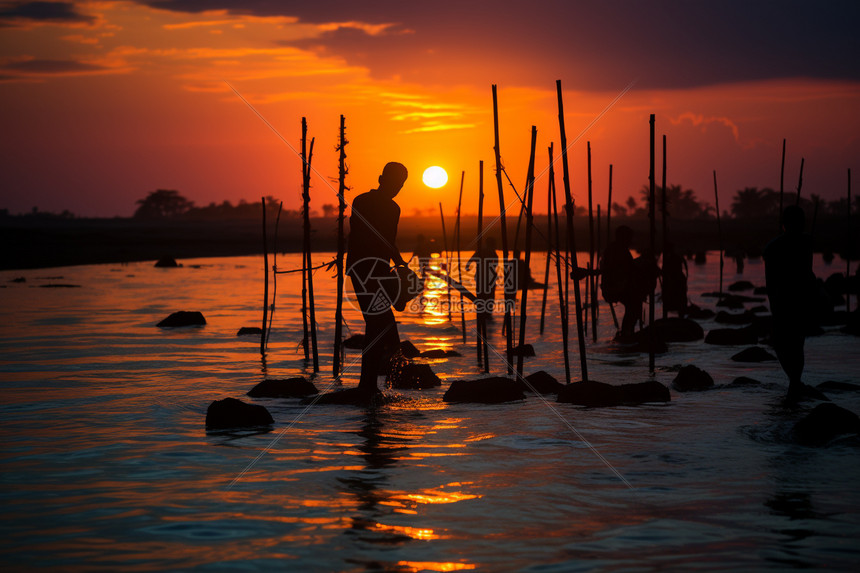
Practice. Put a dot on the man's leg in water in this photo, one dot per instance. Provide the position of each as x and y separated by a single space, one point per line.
380 334
380 342
788 344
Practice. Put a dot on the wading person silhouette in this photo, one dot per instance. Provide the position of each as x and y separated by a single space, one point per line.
486 263
674 281
791 289
372 246
617 280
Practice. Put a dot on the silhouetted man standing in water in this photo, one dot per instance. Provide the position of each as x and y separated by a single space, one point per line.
791 291
372 235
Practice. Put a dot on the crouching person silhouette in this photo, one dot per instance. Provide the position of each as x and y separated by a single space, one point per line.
372 246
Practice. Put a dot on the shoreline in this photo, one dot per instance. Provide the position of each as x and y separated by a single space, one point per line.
43 242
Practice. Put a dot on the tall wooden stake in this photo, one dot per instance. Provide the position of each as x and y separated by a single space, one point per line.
341 248
571 238
548 247
265 283
781 187
506 266
848 251
609 239
459 271
307 240
664 220
719 233
591 281
562 299
306 339
480 279
530 184
609 210
652 215
274 272
799 182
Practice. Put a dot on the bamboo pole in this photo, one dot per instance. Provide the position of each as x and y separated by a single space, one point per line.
305 267
571 238
848 252
447 257
548 247
530 183
719 233
591 281
663 218
457 240
480 278
609 239
265 283
341 248
308 262
781 187
274 272
609 210
799 182
505 265
562 301
652 216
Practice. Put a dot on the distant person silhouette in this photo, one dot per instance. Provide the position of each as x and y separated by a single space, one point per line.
627 280
372 244
486 261
674 281
791 288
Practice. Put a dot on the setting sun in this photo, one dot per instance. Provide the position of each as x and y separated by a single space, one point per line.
435 177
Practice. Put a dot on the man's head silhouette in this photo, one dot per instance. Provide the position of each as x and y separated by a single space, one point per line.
624 235
392 179
793 219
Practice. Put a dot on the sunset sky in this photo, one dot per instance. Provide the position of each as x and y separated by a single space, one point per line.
103 102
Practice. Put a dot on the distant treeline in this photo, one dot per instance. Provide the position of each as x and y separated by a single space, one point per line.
681 204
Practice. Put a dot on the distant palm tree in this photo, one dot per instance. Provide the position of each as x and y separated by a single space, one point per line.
162 203
680 203
751 202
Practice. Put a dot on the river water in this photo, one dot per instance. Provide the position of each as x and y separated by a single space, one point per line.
107 464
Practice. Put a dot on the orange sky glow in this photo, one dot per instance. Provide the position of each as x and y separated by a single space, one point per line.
105 101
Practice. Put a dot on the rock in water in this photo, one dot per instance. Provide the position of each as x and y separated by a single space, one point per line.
408 349
831 385
526 350
591 393
354 342
724 317
249 330
753 354
732 336
493 390
183 318
288 388
166 263
439 353
233 413
543 383
643 392
743 382
825 422
673 330
412 376
691 378
741 286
